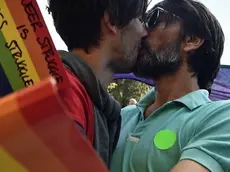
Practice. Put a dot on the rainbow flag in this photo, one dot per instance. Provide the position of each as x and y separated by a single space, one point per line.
36 131
27 52
38 135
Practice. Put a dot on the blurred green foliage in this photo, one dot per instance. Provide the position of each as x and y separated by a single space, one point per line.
123 89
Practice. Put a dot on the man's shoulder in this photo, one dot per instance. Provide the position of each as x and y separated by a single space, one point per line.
75 97
220 103
76 89
129 113
79 104
129 110
221 106
212 113
208 143
74 80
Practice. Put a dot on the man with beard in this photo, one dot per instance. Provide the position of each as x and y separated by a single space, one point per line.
102 37
176 127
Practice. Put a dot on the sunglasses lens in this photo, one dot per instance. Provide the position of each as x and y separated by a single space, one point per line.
159 15
153 18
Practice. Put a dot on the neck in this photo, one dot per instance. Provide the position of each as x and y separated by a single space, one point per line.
97 59
172 87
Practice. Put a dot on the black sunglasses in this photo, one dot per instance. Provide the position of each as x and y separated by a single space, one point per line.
152 17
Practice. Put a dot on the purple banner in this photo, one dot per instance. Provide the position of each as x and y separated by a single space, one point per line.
220 88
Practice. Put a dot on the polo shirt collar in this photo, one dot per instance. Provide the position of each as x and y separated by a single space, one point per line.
194 99
146 101
191 100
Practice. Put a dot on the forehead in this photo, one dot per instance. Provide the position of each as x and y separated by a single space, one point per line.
163 33
159 19
159 13
165 28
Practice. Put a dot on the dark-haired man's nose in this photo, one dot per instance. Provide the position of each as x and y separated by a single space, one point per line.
144 33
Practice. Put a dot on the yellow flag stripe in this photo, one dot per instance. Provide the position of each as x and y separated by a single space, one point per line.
24 146
8 163
11 34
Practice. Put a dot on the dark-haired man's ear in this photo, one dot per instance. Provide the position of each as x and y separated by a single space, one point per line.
107 25
192 43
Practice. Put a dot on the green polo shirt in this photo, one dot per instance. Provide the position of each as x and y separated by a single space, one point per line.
192 127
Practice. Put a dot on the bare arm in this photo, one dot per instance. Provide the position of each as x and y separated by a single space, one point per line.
189 166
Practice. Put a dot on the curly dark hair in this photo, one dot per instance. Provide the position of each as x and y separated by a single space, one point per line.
78 22
198 21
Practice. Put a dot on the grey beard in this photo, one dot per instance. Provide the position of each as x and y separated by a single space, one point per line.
168 55
159 63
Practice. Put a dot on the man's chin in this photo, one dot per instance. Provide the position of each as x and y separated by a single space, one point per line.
122 69
122 65
153 73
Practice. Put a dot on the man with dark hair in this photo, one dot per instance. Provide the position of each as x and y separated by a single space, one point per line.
176 127
103 37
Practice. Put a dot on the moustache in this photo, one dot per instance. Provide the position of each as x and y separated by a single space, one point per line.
145 47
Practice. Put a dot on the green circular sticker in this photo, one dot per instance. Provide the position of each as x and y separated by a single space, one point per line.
164 139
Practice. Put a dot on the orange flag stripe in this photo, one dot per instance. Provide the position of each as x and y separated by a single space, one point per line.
72 149
16 45
42 127
44 40
29 37
26 147
8 163
54 61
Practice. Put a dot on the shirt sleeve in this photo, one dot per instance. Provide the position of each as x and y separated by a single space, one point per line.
210 145
78 104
